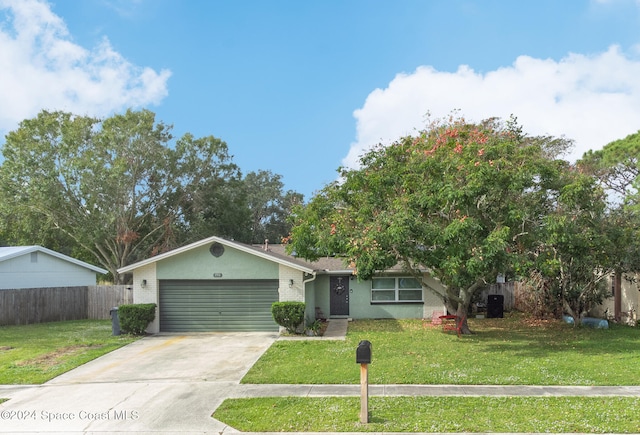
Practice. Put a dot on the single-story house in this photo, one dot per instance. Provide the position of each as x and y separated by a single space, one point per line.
38 267
222 285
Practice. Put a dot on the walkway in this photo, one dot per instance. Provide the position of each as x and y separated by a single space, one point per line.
306 390
336 330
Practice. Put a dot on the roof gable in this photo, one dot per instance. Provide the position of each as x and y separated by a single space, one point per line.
253 250
9 252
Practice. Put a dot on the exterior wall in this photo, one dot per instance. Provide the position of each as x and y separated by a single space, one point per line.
198 263
233 264
630 300
46 271
287 292
291 292
361 307
147 293
310 303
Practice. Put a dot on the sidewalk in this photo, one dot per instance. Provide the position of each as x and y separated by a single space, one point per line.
306 390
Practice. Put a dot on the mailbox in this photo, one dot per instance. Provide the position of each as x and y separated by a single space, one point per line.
363 352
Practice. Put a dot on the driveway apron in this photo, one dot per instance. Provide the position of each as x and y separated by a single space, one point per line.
163 383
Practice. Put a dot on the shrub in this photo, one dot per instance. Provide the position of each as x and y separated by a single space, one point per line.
289 315
134 318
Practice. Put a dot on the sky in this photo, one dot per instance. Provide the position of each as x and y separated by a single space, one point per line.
302 87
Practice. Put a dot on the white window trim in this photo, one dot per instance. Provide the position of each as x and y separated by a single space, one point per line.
396 290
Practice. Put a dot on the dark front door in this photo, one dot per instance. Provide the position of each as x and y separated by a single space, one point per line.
339 295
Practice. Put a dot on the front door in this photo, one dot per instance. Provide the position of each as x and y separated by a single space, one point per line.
339 295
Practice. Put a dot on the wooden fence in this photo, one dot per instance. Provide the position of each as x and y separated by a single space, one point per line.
104 297
510 290
54 304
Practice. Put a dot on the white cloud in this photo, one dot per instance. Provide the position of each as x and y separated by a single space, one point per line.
591 99
42 68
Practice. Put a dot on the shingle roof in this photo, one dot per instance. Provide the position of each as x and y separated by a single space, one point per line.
323 264
275 253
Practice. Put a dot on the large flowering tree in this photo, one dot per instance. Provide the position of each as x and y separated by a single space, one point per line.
464 200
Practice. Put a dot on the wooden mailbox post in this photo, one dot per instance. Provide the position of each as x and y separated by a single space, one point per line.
363 357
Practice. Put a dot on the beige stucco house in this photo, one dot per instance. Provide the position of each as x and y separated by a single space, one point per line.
622 304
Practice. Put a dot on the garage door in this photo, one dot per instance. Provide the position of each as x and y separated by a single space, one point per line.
217 305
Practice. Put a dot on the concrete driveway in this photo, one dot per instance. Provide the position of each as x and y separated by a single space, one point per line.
163 383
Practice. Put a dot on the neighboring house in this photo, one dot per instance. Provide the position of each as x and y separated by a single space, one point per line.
221 285
38 267
622 304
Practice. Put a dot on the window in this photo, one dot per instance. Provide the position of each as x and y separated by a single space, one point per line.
613 285
400 289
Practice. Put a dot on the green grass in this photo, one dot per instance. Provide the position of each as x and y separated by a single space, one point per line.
34 354
435 414
509 351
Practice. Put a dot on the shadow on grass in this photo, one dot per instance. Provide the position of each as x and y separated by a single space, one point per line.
516 337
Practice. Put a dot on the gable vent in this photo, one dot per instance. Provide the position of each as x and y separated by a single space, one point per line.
216 249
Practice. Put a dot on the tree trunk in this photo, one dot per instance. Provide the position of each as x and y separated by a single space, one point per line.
461 308
572 313
462 317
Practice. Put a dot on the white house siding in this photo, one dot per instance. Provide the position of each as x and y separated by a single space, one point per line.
40 270
147 293
287 292
293 293
629 303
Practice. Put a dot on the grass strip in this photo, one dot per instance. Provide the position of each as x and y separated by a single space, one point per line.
34 354
434 414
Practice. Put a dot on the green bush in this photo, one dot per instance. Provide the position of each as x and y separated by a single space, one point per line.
289 315
134 318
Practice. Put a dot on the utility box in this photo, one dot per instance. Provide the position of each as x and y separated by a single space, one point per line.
363 352
495 306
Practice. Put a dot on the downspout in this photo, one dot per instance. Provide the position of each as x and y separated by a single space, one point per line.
304 286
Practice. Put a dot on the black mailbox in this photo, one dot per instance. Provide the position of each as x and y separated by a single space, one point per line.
363 352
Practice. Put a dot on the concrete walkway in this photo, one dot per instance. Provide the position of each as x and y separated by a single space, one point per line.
336 330
306 390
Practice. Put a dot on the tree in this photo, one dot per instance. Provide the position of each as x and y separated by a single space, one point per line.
617 167
115 187
249 209
575 250
269 207
211 198
460 199
219 208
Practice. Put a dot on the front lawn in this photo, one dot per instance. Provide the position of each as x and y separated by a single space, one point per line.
509 351
34 354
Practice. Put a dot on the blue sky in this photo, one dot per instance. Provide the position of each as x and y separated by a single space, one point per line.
302 87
